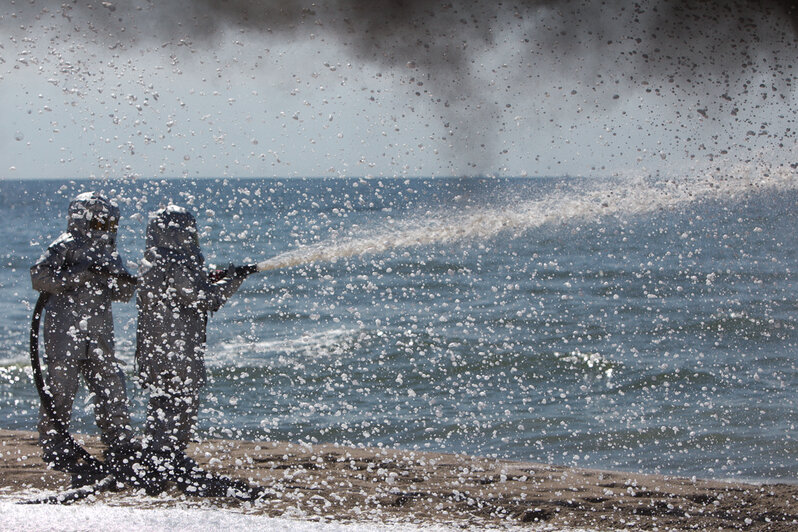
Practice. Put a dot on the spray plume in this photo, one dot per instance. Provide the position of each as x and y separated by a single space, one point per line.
603 199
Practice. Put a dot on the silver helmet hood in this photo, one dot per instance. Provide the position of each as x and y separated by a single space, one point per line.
92 216
175 228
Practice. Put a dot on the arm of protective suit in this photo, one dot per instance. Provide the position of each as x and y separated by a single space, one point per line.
194 287
52 273
123 287
121 282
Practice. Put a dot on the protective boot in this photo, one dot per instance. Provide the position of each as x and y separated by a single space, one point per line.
62 456
130 464
154 474
84 475
193 480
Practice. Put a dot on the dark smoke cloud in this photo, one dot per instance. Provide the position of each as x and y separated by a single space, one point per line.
434 33
702 51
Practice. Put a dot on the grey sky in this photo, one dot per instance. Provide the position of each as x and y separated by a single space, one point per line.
130 92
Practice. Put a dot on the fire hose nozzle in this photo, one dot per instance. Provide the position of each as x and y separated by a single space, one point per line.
245 270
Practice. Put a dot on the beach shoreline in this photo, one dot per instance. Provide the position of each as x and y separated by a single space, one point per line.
346 484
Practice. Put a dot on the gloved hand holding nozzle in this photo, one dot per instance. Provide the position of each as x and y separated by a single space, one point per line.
232 271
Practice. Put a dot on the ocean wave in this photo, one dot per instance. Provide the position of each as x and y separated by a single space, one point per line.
309 345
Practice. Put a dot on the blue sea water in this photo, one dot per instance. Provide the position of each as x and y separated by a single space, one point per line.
604 325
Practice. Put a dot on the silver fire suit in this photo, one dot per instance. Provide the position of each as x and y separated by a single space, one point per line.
82 273
174 298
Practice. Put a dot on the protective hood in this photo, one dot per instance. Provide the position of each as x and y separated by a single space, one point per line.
174 228
93 217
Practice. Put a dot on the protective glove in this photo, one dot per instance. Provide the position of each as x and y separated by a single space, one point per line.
245 270
113 273
232 271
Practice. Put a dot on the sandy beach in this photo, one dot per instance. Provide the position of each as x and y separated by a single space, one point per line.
335 483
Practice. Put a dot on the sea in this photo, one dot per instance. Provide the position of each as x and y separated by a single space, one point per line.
632 324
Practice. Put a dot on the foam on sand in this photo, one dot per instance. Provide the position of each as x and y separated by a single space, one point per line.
332 487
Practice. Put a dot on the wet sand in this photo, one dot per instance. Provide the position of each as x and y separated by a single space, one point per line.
335 483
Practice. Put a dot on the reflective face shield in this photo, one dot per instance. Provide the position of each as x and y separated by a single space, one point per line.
107 225
91 215
175 228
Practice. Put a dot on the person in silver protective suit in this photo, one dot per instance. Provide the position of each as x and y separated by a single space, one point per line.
174 298
83 273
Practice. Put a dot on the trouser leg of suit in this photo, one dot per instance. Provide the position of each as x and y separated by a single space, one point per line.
62 353
106 381
170 420
69 353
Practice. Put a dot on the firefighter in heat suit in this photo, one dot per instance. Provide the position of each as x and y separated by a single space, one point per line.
174 298
82 273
